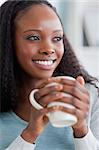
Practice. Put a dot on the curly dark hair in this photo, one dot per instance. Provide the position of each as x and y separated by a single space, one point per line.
69 64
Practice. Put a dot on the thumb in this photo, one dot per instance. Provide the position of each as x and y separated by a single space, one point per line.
80 79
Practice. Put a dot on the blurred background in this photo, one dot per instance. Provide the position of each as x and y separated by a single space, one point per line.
81 24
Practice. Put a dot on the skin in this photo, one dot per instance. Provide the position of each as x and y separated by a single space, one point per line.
39 37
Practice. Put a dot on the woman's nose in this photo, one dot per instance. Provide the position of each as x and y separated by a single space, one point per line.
47 51
47 47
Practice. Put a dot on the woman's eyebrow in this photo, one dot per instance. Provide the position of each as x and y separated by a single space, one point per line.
38 30
59 30
29 30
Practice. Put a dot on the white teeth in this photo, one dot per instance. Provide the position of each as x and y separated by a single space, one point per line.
44 62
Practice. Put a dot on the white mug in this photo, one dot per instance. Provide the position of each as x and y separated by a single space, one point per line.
57 118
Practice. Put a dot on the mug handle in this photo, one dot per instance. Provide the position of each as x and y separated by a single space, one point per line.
33 101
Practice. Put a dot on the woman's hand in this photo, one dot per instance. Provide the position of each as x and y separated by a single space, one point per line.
80 129
79 97
80 100
38 118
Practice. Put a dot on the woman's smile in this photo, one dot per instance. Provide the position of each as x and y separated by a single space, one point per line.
44 64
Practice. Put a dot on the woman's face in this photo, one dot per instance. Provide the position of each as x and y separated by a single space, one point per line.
39 41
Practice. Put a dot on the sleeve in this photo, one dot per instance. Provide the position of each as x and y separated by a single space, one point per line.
20 144
91 140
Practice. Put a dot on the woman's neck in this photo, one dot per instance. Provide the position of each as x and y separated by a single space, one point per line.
23 106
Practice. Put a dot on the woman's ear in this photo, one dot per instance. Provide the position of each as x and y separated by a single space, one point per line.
80 79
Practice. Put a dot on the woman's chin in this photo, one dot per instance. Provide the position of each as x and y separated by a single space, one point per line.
45 75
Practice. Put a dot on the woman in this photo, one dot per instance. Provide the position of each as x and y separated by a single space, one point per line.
34 50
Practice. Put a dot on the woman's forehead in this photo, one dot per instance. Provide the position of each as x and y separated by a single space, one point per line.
39 15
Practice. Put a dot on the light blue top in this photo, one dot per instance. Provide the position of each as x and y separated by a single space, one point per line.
51 139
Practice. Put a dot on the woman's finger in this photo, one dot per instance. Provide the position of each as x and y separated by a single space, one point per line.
54 96
79 83
76 92
47 90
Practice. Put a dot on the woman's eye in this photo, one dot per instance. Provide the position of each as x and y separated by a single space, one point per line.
57 39
33 38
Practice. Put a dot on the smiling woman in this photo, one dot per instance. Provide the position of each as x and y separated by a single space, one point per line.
40 42
35 52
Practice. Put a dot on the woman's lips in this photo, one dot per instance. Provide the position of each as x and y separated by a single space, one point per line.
44 64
